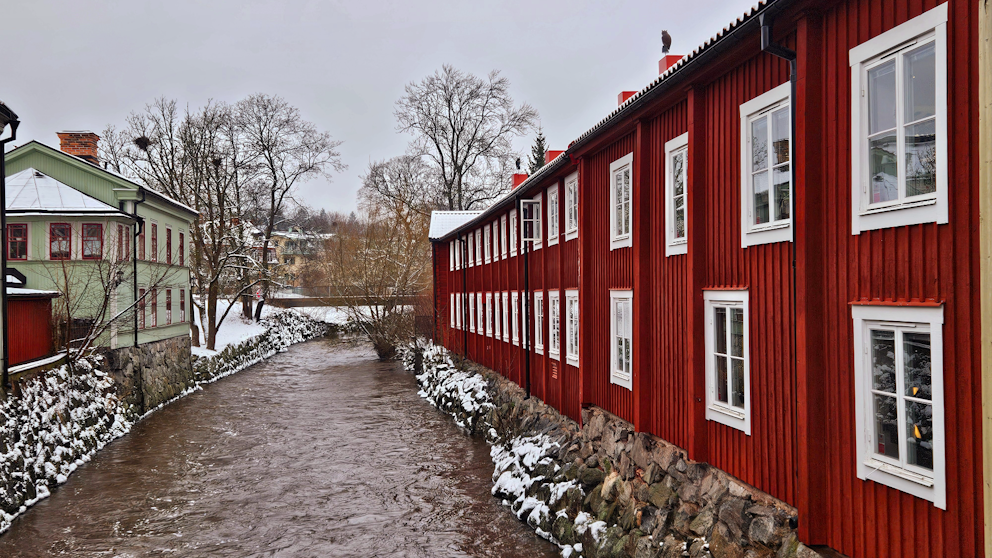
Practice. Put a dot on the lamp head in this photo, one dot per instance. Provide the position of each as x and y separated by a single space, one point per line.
7 116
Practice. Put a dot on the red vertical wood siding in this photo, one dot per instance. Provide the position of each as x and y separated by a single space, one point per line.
30 334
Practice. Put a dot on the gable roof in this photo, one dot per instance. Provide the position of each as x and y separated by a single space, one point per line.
443 222
33 192
107 174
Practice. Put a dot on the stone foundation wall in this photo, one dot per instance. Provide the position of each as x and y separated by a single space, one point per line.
604 490
152 373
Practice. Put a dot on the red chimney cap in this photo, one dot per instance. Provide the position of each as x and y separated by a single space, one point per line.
550 155
668 61
518 179
623 96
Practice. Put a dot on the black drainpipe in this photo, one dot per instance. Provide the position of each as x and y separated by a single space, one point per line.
526 315
14 123
790 55
134 260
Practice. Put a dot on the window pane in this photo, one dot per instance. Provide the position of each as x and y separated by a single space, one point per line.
680 223
781 178
883 361
920 75
886 426
678 173
626 356
619 353
919 434
760 185
737 332
721 379
626 205
921 158
720 331
882 97
780 135
916 364
883 168
618 200
737 376
759 144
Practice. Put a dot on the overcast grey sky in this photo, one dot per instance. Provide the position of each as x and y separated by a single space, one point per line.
83 65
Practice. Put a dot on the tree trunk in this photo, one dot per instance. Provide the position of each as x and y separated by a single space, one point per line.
246 306
194 332
212 292
258 309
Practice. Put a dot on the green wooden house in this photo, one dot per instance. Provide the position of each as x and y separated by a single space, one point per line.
117 251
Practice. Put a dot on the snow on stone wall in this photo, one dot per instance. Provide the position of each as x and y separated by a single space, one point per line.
64 416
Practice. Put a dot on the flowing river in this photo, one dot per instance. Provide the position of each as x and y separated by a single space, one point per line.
321 451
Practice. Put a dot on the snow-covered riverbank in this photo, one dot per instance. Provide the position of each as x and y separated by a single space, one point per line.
64 416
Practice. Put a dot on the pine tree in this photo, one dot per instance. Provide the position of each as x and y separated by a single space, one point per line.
537 153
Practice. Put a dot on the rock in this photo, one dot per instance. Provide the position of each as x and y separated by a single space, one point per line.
697 549
624 493
684 515
672 548
660 495
628 515
738 490
594 500
653 473
609 491
607 512
661 524
586 451
764 530
789 548
732 515
592 462
591 477
645 548
640 452
689 492
703 522
713 487
593 430
640 490
626 466
722 547
563 530
806 552
665 455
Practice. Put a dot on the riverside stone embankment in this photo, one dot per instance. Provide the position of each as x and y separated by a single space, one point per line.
62 417
603 490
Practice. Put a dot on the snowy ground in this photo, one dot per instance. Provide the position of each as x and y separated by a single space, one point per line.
236 329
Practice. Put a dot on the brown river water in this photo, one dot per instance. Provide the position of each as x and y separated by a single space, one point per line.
319 451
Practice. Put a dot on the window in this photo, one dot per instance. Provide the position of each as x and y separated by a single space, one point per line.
123 243
495 226
182 249
676 161
766 178
727 360
554 324
141 243
506 317
92 241
478 247
530 211
899 397
515 316
153 304
503 231
899 125
513 232
471 312
489 314
459 316
451 321
572 327
59 241
168 306
182 306
142 309
572 206
621 338
620 189
17 242
497 320
471 249
539 322
481 319
154 246
451 256
168 245
485 243
552 215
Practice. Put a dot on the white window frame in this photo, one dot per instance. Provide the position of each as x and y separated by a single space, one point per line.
553 229
451 256
495 227
624 239
539 226
458 311
478 247
772 231
471 249
929 208
931 486
717 411
503 233
451 322
504 298
496 318
539 322
480 317
534 206
618 376
486 246
513 233
489 314
572 329
515 316
680 145
471 312
554 324
572 206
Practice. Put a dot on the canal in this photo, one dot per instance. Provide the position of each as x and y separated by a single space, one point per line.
317 452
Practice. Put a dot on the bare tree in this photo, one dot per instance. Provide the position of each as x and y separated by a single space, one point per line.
288 150
464 125
402 181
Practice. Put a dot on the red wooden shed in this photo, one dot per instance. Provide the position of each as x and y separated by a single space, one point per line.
30 319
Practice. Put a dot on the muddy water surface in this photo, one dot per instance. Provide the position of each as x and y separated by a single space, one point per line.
319 451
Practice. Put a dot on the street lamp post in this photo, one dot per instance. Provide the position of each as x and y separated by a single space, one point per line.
7 116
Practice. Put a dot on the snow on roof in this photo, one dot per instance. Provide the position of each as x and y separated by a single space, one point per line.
33 191
11 280
443 222
17 291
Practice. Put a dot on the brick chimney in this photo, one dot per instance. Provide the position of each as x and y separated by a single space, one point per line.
550 155
518 179
81 144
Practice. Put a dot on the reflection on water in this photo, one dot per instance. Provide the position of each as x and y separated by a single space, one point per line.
320 451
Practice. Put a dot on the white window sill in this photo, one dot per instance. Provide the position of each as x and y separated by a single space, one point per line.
621 242
677 248
729 417
621 380
897 206
899 472
552 240
573 360
571 235
767 234
539 350
555 356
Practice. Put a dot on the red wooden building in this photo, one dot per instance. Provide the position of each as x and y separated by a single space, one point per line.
783 282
